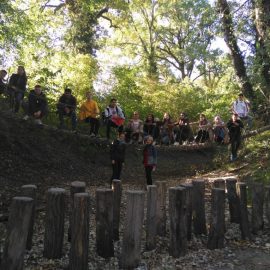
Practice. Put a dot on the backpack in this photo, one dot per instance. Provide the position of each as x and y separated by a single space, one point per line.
103 116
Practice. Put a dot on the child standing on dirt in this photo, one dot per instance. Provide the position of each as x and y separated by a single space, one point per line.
118 149
149 159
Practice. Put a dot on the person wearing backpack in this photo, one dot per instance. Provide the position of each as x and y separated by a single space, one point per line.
114 117
242 107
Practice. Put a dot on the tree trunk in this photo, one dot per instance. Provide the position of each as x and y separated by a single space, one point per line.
178 223
18 227
30 191
199 221
216 232
161 207
231 41
117 195
54 223
233 200
104 222
78 257
131 247
257 207
151 219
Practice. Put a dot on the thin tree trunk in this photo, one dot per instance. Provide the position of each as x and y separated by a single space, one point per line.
231 41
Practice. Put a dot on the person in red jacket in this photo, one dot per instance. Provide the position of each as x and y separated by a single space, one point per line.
149 159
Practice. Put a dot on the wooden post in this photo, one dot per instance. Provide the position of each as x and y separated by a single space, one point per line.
78 257
30 191
257 207
54 223
216 232
151 219
233 200
178 223
17 231
219 183
267 203
131 248
117 195
189 191
161 207
104 223
199 221
75 187
241 189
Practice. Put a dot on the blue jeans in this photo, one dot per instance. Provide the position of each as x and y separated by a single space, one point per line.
71 114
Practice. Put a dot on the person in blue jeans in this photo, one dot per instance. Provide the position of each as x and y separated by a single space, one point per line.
66 106
17 88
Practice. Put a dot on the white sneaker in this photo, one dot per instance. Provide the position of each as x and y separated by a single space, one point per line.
38 122
26 117
92 135
176 143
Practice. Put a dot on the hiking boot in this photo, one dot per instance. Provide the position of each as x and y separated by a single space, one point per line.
92 135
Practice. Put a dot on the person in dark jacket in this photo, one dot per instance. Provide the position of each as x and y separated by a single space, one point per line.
149 159
183 130
17 88
67 107
3 83
37 106
117 152
235 125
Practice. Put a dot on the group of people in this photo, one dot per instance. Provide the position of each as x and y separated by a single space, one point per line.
151 131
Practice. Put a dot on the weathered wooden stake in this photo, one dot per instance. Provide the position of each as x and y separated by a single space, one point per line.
233 200
117 195
267 204
131 248
54 223
161 207
30 191
151 219
104 223
178 223
17 231
78 257
75 187
257 207
216 232
241 189
189 191
199 221
219 183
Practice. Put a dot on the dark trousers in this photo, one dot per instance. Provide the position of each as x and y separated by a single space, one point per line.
111 124
71 114
94 125
235 144
202 136
182 134
117 168
148 174
15 99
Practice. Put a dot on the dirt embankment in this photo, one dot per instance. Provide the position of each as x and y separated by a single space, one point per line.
49 157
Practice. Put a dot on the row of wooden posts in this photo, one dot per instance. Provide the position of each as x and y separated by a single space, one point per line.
186 216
